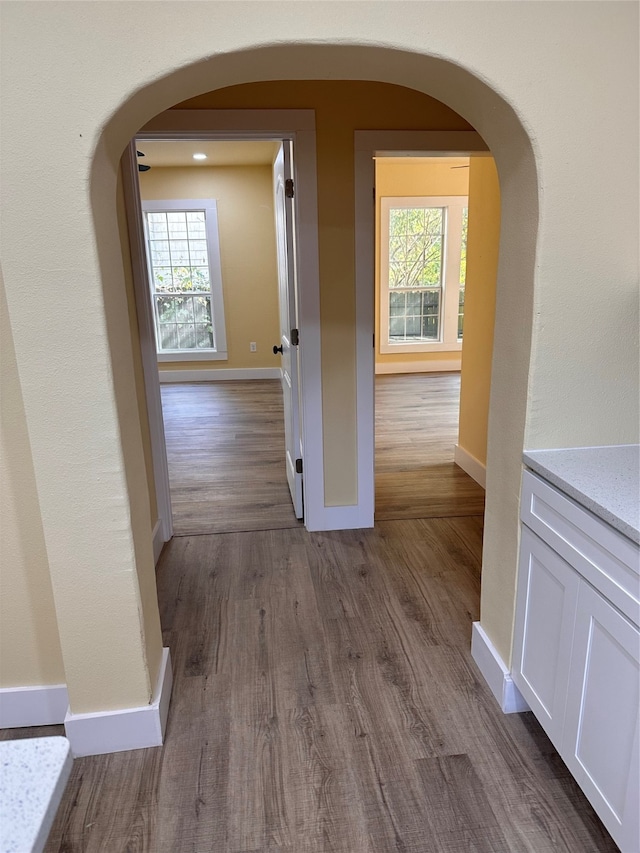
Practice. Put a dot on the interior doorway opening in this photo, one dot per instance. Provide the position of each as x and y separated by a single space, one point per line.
220 289
423 208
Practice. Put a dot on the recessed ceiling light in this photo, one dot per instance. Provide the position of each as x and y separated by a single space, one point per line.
199 156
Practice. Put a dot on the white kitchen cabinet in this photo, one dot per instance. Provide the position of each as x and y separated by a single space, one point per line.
546 607
600 738
577 648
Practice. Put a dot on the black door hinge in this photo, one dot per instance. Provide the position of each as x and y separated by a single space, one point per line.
295 337
298 466
288 187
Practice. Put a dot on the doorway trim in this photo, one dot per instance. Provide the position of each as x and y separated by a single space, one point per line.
368 144
299 126
163 526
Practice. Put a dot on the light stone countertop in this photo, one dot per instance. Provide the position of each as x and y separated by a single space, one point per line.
604 480
33 775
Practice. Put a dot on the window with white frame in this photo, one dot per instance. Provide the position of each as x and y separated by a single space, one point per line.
185 279
422 273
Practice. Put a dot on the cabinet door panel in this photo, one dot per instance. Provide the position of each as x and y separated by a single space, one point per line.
600 741
545 613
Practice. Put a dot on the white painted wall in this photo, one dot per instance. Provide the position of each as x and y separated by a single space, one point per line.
555 81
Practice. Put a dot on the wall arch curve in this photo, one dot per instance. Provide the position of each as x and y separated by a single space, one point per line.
497 122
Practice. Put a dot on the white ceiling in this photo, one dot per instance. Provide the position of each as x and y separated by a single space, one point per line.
172 153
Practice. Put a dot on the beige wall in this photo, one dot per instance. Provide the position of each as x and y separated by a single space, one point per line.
246 227
63 133
480 300
415 176
29 643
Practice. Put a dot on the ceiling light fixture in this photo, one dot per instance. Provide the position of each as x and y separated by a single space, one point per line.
199 156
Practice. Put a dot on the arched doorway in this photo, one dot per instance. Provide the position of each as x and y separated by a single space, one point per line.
338 365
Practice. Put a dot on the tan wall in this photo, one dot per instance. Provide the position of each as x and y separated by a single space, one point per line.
483 243
63 133
415 176
246 227
29 644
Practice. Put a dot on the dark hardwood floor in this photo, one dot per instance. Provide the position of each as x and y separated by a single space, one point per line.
416 431
325 700
225 447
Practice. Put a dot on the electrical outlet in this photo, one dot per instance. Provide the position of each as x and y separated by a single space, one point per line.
253 347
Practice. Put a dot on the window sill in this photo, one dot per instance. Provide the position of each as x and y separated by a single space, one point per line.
437 346
192 355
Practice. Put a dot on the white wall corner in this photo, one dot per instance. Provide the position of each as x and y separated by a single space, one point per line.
101 732
33 706
158 541
495 673
212 375
473 467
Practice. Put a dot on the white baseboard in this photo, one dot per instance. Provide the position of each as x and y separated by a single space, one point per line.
33 706
158 541
471 465
213 375
100 732
495 673
439 366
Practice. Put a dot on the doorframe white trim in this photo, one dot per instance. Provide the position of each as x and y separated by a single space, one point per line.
299 126
146 329
367 145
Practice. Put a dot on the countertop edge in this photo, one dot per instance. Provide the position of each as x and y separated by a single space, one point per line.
588 501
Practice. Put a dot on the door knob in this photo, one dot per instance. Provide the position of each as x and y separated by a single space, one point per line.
277 350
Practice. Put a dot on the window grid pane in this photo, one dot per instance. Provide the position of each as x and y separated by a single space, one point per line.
178 251
416 237
184 322
180 280
463 270
414 315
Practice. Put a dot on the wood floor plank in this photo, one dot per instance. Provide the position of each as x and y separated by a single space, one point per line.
225 449
416 429
417 575
455 803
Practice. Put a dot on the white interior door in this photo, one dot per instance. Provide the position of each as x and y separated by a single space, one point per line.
283 190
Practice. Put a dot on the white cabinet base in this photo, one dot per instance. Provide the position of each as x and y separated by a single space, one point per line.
576 649
600 740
